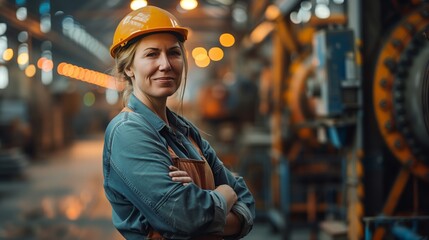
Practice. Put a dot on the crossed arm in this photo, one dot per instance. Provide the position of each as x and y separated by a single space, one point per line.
233 224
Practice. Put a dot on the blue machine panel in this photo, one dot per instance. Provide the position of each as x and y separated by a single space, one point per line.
334 52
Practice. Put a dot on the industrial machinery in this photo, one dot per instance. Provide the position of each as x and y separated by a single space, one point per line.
400 104
350 118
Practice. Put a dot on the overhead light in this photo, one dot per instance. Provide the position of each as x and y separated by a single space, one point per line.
21 13
304 15
8 54
23 36
23 56
322 11
272 12
295 18
136 4
30 71
226 39
202 63
89 76
199 53
188 4
239 13
4 77
216 53
112 96
3 28
45 23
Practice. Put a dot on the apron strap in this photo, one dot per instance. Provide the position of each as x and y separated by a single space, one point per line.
172 153
197 147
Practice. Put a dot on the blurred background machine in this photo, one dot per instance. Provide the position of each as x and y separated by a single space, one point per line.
348 141
321 105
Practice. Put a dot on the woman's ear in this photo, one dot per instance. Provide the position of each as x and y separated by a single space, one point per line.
129 72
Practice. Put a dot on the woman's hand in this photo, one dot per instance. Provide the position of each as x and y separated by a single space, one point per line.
178 175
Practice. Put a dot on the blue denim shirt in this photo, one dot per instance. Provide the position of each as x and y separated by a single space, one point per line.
137 184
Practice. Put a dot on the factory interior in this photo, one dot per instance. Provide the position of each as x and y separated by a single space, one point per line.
322 106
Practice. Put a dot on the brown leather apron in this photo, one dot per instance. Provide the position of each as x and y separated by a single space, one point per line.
201 174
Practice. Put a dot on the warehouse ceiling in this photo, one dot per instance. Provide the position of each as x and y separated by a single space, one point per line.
99 18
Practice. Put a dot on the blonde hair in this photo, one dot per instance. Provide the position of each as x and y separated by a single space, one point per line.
124 60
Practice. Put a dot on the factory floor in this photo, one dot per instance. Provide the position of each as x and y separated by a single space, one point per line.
61 197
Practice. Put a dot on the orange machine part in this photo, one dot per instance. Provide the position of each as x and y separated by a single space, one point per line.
294 97
382 91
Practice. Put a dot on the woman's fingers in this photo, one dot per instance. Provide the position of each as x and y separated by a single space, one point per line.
179 175
173 168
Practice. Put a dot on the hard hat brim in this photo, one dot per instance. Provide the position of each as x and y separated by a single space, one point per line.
181 32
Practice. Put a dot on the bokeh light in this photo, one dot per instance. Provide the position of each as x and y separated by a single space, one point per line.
202 63
136 4
30 71
89 76
188 4
23 58
4 77
272 12
227 40
8 54
216 53
199 53
89 99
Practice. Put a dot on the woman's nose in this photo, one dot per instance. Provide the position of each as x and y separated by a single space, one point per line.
164 63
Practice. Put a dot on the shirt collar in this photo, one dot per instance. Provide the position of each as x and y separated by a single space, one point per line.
176 121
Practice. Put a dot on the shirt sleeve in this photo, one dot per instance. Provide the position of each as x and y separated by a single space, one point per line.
140 158
245 203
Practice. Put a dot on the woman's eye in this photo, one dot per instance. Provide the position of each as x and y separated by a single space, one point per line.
176 53
151 54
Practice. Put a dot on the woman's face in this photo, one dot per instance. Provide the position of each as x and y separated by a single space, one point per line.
157 67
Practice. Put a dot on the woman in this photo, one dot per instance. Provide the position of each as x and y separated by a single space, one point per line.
163 180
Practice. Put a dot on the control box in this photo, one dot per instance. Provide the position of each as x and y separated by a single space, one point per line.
336 72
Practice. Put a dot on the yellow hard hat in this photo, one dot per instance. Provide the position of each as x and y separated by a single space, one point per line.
145 20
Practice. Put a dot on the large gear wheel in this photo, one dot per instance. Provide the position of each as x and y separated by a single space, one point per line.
407 92
399 91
